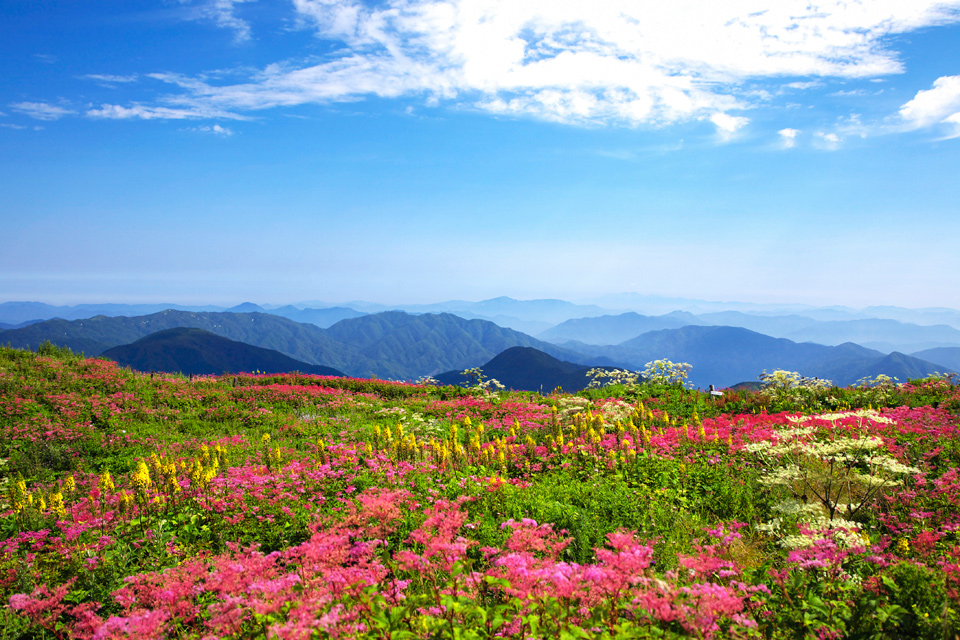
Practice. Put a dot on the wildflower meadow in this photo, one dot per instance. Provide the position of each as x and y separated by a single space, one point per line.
297 506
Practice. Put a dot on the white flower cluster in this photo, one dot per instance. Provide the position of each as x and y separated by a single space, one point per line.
814 517
607 377
782 380
863 414
828 479
784 476
616 410
568 406
666 372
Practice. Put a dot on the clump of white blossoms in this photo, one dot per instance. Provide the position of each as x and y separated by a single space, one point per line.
607 377
667 372
827 479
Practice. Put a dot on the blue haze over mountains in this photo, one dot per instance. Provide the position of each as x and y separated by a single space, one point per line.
726 342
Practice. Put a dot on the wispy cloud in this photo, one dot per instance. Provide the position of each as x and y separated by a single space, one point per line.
849 93
222 13
42 110
107 79
216 130
829 141
141 112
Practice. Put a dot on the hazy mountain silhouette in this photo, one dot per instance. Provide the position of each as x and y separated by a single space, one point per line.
199 352
527 369
883 335
615 329
948 357
724 356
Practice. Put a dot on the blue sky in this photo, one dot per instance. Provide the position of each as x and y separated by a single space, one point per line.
217 151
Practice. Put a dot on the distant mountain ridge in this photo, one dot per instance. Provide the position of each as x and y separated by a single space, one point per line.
880 334
724 356
400 345
947 357
390 345
200 352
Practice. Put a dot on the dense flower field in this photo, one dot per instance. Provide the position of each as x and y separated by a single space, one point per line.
301 506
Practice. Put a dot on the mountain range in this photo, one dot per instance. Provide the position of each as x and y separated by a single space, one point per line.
392 344
885 329
399 345
880 334
199 352
724 356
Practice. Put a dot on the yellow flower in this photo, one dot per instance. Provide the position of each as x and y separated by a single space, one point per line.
56 504
106 482
141 477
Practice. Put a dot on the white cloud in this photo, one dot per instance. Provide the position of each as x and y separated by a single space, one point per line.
929 107
633 62
111 79
118 112
727 125
222 13
828 141
788 137
215 130
803 86
42 110
7 125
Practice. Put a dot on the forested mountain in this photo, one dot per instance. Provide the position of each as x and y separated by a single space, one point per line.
390 345
528 369
199 352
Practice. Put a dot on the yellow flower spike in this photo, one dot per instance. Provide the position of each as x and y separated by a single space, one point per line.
69 485
41 504
56 504
106 483
265 439
196 473
141 477
466 422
